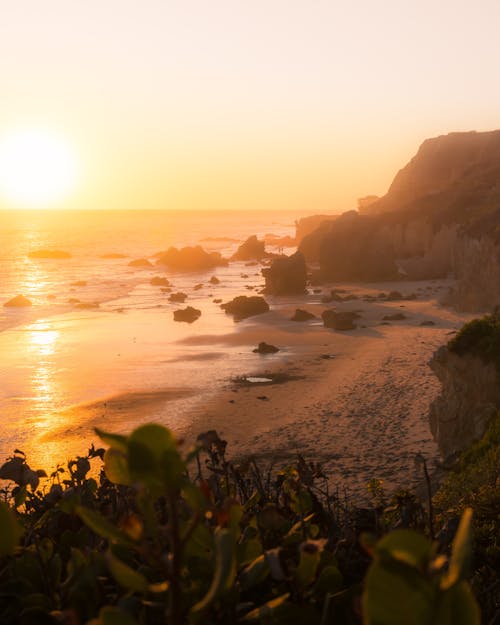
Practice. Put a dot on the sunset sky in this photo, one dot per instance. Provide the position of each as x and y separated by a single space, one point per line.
190 104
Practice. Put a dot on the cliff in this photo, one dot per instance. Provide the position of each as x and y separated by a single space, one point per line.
469 371
440 217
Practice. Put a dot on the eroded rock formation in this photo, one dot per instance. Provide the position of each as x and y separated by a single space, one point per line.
287 275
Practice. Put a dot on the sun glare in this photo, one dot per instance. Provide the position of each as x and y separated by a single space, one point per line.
37 169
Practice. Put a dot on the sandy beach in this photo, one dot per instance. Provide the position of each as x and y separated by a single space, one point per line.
356 401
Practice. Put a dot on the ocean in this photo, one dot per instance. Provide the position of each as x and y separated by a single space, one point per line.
57 356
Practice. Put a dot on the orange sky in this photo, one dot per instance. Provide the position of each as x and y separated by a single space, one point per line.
234 104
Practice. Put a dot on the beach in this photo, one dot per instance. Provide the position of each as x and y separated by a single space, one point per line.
355 401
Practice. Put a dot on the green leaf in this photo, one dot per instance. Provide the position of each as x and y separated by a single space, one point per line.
101 526
115 441
114 616
265 610
407 546
458 607
255 573
155 438
116 466
310 554
225 571
125 575
461 552
10 530
395 593
329 581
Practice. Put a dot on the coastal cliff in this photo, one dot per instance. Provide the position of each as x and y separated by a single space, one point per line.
469 371
440 217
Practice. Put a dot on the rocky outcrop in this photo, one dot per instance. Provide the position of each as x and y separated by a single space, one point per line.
190 259
265 348
440 217
307 225
287 275
188 314
251 249
140 263
339 320
18 302
302 315
469 398
159 281
242 306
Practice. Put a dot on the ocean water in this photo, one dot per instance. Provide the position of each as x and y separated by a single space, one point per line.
56 357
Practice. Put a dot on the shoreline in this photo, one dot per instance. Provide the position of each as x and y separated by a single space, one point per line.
355 401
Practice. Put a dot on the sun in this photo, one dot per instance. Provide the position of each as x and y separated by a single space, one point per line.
37 169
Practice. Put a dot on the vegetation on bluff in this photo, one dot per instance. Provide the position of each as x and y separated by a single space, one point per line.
480 337
170 537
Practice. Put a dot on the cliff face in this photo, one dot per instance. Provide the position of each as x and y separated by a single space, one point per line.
470 397
440 216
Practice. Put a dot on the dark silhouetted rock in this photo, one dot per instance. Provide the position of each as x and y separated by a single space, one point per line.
57 254
197 287
394 296
339 320
178 297
265 348
394 317
188 314
302 315
251 249
18 302
140 262
159 281
428 323
242 306
190 259
287 275
214 280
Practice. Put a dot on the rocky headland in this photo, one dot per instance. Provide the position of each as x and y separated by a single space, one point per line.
440 217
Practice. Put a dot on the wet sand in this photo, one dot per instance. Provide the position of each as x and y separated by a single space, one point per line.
355 401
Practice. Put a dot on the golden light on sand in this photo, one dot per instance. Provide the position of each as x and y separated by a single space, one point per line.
37 169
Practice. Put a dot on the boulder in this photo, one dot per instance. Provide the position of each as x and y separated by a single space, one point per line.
265 348
190 259
18 302
140 262
394 317
177 297
188 314
302 315
242 306
57 254
159 281
251 249
287 275
214 280
339 320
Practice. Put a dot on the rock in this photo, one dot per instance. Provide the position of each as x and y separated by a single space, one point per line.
140 262
188 314
197 287
339 320
266 348
79 283
428 323
242 306
469 398
286 241
217 300
165 289
394 317
18 302
178 297
302 315
251 249
287 275
214 280
190 259
57 254
394 296
159 281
